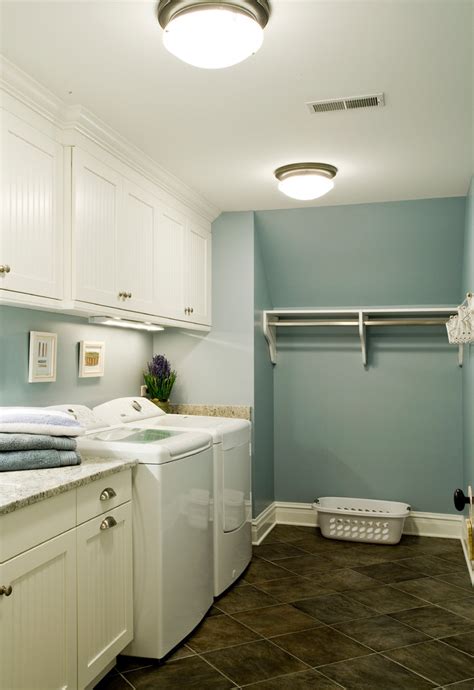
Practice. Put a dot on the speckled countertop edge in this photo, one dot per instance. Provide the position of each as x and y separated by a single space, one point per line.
232 411
22 488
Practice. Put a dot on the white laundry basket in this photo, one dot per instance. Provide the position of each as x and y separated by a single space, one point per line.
361 519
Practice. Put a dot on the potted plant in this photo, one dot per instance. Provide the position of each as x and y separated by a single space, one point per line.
159 380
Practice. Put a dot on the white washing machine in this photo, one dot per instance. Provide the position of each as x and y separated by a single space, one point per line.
232 495
172 530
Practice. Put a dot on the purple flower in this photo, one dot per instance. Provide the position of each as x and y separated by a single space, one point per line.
159 367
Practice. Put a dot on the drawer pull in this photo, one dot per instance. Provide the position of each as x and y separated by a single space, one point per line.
6 590
108 522
107 494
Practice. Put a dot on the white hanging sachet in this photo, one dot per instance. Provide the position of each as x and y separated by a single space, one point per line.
460 326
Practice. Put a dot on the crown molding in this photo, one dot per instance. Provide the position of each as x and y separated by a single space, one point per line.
76 118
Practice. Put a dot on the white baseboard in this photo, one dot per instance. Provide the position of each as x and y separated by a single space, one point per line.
442 525
263 524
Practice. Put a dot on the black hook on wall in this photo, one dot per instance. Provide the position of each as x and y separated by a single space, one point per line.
460 499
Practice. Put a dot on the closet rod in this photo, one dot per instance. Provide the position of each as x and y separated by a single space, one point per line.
372 322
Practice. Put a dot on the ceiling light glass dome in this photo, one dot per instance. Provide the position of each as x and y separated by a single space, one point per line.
305 181
211 34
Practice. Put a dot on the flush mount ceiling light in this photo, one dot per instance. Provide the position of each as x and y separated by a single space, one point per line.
305 181
213 34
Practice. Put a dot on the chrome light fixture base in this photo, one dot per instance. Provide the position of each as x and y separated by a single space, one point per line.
259 10
321 169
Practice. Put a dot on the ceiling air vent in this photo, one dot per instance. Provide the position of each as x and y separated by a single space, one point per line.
375 100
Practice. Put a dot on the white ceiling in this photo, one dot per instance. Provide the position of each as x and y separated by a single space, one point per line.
223 132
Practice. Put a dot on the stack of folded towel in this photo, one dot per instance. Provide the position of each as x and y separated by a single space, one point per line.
34 438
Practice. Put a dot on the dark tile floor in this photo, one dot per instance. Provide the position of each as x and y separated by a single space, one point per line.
316 613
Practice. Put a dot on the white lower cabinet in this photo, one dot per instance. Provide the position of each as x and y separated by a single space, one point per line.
104 584
66 604
38 617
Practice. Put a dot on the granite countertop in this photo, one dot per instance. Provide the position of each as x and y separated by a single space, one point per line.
233 411
20 489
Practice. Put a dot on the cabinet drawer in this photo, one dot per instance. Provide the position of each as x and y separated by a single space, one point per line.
34 524
102 495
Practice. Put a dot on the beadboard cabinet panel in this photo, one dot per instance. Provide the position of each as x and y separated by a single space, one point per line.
38 620
31 229
96 197
169 267
104 590
135 240
198 273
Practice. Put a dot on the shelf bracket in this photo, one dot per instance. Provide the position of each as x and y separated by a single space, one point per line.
270 335
461 354
363 338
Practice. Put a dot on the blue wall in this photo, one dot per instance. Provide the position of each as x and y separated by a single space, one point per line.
263 433
395 253
393 431
126 354
468 369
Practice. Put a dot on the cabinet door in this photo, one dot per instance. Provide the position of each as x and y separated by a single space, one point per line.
96 196
38 633
32 199
198 274
137 228
169 265
104 584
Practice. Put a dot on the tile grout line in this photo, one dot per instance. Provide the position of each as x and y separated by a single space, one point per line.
411 670
126 680
234 683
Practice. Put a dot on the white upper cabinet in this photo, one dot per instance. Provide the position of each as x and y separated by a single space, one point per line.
96 199
89 229
198 274
169 270
135 242
31 230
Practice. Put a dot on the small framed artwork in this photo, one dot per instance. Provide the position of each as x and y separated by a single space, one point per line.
91 358
42 364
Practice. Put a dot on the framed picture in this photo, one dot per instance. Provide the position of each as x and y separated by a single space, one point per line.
42 364
91 358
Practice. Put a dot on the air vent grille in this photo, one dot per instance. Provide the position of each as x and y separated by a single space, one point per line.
375 100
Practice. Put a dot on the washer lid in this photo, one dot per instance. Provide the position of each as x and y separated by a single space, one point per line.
230 432
126 410
150 446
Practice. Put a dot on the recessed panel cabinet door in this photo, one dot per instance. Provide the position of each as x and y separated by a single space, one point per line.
96 197
104 590
198 274
38 624
137 228
169 264
31 226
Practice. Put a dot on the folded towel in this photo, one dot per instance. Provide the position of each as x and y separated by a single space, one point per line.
9 442
37 459
38 420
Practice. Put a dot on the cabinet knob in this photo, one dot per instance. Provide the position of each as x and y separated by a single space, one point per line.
4 268
192 310
107 494
108 522
186 310
122 294
129 295
6 590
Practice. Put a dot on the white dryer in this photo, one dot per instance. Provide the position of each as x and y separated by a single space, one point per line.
232 470
172 530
